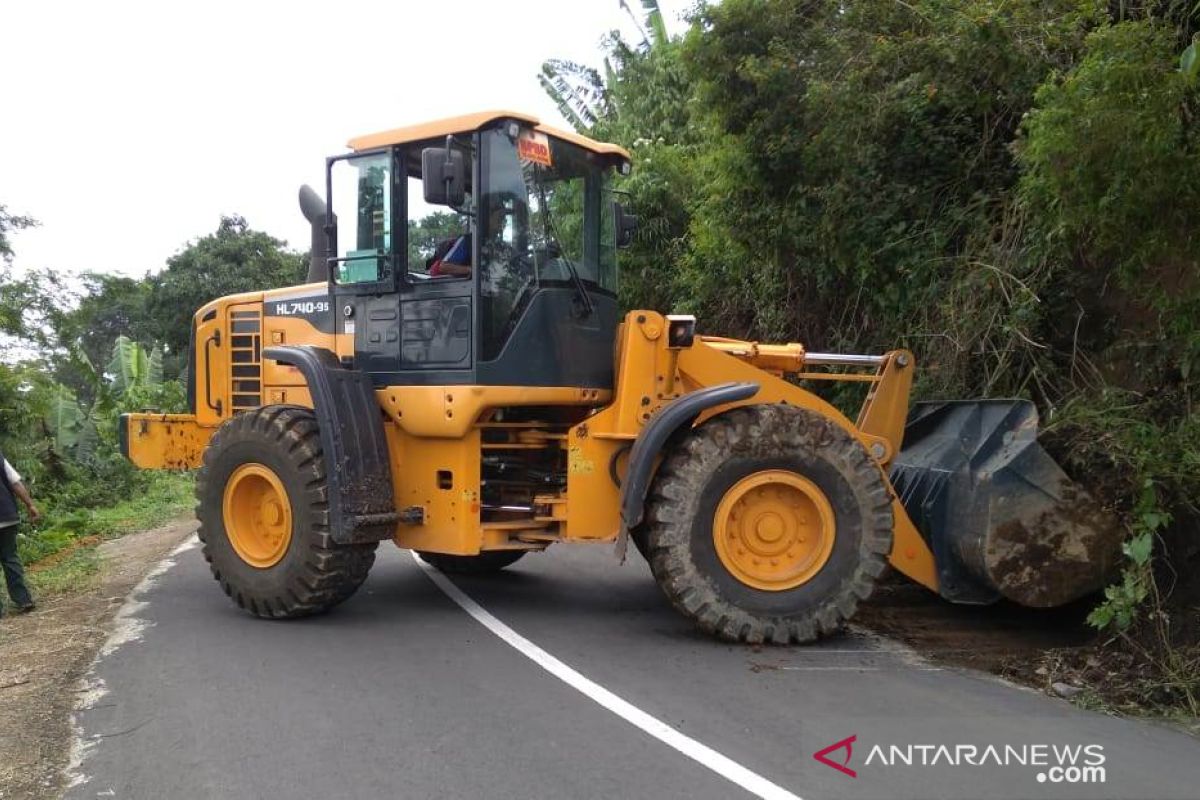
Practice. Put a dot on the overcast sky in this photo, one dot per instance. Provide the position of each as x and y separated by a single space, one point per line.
127 128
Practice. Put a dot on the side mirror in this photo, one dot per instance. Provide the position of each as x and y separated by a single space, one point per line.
627 225
443 174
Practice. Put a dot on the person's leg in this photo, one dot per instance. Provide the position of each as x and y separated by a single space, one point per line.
14 575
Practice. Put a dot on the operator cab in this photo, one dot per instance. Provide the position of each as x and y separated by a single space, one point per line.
477 250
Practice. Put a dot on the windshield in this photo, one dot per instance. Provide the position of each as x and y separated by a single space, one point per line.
546 210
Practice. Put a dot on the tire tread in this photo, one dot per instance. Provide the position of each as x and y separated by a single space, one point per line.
665 536
327 573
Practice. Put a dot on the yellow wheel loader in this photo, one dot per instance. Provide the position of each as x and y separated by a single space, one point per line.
455 376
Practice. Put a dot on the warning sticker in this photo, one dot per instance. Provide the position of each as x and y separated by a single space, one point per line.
534 146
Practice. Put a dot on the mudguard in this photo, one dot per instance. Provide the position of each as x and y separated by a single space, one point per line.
361 502
658 430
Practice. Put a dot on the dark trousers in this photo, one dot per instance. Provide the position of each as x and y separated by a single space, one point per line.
14 575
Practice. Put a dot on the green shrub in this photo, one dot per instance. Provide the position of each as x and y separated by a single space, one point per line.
1006 188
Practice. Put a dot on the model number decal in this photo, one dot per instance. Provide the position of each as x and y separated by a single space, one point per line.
300 307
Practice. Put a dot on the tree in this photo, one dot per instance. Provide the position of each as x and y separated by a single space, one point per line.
109 306
31 306
641 101
425 234
28 305
8 223
234 259
860 157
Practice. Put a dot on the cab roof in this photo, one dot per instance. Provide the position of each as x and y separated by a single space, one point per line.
470 122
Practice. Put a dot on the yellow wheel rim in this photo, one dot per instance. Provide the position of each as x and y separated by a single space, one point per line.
258 515
774 530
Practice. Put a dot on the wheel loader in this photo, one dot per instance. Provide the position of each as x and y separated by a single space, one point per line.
456 376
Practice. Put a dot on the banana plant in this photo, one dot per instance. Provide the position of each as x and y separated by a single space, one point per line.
74 426
64 418
132 366
579 91
653 20
576 89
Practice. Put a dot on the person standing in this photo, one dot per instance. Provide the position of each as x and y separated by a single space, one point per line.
12 490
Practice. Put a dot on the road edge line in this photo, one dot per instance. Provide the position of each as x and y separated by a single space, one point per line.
701 753
126 627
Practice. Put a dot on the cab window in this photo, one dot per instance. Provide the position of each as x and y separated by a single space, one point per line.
440 237
362 203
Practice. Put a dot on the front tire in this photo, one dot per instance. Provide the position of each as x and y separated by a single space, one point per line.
264 517
768 524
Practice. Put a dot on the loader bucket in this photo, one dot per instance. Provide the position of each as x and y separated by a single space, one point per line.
1001 517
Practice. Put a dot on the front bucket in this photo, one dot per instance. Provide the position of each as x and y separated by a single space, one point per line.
1002 518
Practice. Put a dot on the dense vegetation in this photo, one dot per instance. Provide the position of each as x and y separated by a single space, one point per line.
78 351
1007 188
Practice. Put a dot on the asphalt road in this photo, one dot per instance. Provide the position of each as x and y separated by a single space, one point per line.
402 693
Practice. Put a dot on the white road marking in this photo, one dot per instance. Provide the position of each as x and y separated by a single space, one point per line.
190 543
128 627
700 753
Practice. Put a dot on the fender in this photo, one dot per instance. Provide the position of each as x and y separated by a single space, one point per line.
675 415
361 503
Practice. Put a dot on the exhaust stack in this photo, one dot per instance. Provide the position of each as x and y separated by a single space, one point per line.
313 209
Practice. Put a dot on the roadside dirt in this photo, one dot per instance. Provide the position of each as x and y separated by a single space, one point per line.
43 655
1051 650
997 638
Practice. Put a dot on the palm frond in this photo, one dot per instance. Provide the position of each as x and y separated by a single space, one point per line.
655 22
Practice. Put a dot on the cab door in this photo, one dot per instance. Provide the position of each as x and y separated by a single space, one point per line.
363 274
437 297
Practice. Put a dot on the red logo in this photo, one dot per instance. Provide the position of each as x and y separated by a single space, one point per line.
846 744
535 147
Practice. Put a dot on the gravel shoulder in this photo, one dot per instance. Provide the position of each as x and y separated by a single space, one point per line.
44 654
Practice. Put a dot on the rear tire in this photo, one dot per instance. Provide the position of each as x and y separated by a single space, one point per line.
779 485
486 563
265 468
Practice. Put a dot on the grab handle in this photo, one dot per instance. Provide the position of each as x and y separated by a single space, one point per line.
217 407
